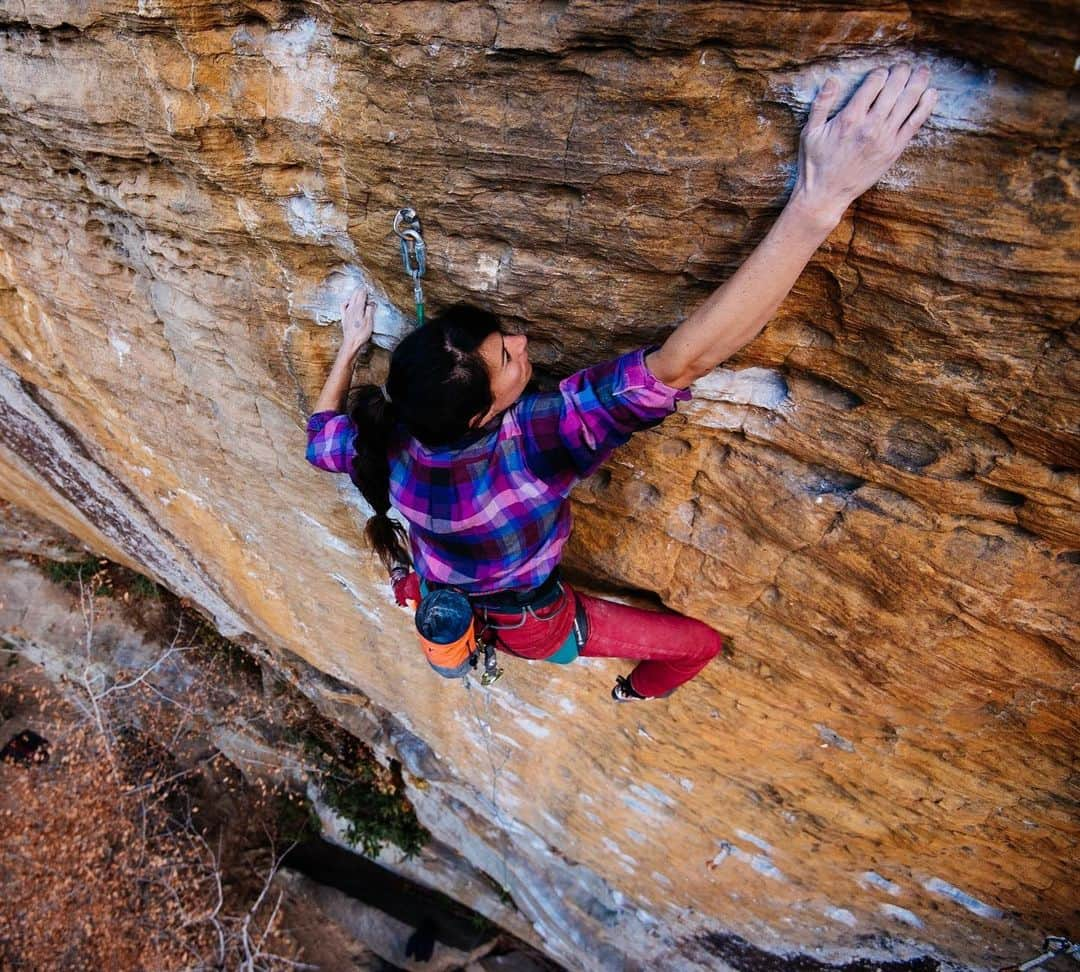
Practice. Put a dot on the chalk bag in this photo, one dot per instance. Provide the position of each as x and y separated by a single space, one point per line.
444 621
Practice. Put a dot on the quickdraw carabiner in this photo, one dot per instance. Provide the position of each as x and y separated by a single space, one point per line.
413 253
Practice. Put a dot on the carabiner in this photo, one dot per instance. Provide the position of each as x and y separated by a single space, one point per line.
413 253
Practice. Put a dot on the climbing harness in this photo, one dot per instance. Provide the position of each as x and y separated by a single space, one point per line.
413 254
551 592
456 628
1053 946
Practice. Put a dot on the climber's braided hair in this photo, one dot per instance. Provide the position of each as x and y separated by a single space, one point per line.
438 382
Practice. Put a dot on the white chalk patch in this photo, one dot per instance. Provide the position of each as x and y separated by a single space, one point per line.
488 268
964 91
328 539
645 918
534 730
827 735
192 498
567 706
650 792
358 600
901 914
687 785
514 705
512 743
762 387
323 303
661 879
319 221
303 90
248 214
761 864
841 915
303 217
755 840
874 880
974 905
637 806
618 851
120 346
721 855
354 499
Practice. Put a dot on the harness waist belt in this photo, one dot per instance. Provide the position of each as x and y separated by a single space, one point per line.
534 597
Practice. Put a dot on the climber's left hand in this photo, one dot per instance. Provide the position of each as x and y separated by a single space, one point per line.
357 320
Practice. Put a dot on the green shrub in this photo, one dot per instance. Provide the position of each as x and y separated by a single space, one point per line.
366 795
143 587
374 818
70 572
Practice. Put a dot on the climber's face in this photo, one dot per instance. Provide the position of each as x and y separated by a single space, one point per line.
508 362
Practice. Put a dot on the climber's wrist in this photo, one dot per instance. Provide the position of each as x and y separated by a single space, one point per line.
817 214
350 349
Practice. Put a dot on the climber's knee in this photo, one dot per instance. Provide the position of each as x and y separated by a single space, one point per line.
714 645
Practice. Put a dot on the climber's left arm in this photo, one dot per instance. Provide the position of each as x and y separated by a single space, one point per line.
839 159
357 324
331 434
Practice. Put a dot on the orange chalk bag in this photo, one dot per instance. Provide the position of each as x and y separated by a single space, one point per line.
447 629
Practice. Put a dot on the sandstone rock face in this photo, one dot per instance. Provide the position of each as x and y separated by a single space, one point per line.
877 499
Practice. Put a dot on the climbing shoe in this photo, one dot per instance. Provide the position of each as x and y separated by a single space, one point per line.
624 691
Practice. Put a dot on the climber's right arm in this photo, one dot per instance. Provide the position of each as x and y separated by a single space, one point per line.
839 159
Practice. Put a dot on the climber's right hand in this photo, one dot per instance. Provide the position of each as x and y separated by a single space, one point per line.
407 591
841 157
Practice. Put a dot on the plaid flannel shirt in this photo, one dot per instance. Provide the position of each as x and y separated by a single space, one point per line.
491 512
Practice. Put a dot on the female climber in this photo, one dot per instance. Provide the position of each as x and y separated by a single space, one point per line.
481 471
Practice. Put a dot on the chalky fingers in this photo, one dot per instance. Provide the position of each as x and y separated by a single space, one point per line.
856 109
892 89
908 98
922 111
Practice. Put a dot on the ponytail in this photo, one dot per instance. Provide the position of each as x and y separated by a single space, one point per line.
437 383
374 419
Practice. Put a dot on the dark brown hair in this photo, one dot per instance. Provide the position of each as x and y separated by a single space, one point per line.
438 382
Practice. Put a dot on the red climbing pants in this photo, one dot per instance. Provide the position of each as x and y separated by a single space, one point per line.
671 649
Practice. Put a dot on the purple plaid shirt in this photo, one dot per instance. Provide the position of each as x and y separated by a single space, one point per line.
491 512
